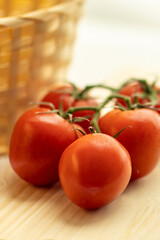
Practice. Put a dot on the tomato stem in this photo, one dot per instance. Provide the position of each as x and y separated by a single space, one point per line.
91 129
94 122
119 96
72 110
77 94
83 93
75 89
60 108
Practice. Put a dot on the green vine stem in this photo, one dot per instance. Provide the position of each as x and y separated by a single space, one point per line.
97 109
149 90
94 121
83 93
75 92
118 96
144 84
72 110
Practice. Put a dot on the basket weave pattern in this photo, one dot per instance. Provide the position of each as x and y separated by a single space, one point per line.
35 50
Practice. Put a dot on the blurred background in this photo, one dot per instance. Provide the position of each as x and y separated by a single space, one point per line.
117 40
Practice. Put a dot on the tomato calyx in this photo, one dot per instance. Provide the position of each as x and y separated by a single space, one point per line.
72 110
117 134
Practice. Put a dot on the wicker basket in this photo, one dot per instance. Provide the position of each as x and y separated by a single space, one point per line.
35 50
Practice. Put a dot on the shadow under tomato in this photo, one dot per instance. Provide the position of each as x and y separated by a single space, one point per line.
73 215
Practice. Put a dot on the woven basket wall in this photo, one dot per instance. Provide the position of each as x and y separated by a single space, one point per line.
35 50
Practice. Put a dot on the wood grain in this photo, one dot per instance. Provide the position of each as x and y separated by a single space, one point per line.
27 212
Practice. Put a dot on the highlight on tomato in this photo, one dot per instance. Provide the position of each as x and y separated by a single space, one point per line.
37 142
94 170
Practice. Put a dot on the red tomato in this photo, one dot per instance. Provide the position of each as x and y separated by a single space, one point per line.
142 140
94 170
130 90
61 94
37 142
133 88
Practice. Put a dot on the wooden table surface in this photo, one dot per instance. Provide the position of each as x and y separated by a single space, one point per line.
30 213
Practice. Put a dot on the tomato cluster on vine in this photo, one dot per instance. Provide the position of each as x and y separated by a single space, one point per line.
94 156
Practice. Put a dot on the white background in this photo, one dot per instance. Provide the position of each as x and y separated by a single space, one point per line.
117 39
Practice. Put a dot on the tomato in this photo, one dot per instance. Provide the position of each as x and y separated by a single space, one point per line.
60 94
133 88
130 90
37 142
157 106
67 96
142 139
94 170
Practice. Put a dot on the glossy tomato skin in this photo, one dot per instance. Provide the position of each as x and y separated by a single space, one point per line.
94 170
37 142
61 94
142 139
